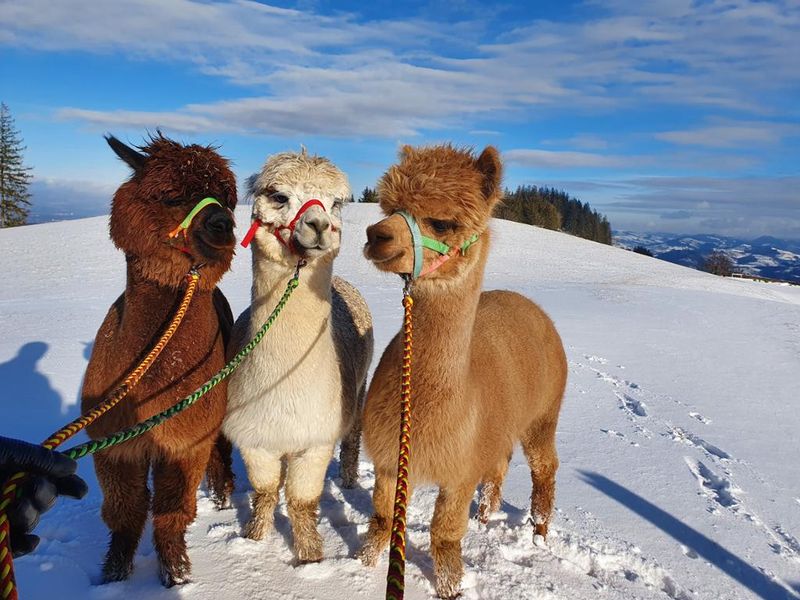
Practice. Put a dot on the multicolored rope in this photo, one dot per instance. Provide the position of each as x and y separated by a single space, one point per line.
395 577
13 483
119 437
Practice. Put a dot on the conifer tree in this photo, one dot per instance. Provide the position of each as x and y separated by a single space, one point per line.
14 176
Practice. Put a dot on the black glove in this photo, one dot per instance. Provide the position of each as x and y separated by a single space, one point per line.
50 474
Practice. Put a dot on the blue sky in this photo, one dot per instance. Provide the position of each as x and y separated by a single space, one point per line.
665 115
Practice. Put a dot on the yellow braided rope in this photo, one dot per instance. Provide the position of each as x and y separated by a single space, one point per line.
395 576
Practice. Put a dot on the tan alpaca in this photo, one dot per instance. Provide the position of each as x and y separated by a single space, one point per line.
488 368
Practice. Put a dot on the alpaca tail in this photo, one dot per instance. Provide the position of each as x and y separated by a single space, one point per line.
219 472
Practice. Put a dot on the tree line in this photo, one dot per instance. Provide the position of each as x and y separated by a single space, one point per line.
544 207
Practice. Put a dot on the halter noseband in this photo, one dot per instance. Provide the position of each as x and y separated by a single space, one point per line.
183 226
288 242
420 241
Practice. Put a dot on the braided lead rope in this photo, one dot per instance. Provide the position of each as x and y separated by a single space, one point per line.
10 487
395 576
124 435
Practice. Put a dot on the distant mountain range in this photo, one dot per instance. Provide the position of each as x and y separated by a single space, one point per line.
765 256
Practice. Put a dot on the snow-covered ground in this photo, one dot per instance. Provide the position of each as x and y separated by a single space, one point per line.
678 438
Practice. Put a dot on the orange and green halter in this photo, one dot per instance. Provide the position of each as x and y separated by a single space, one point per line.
420 241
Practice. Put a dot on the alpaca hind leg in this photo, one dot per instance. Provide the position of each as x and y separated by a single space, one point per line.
348 454
264 472
450 518
175 483
126 501
492 491
219 472
380 525
539 446
305 476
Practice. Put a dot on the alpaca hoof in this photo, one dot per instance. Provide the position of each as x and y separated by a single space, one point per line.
116 571
118 564
448 568
255 530
172 575
310 550
221 503
368 555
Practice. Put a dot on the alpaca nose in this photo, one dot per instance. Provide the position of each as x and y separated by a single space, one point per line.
219 222
377 234
317 221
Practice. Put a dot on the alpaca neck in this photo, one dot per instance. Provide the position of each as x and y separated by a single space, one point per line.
149 304
270 279
444 315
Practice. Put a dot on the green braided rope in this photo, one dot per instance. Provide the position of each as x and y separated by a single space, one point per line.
141 428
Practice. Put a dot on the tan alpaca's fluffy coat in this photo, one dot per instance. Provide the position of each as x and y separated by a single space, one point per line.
488 368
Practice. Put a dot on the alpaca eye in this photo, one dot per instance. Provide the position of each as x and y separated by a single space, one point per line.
173 201
279 197
442 226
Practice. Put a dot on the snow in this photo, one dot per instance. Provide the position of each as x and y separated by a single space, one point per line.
678 437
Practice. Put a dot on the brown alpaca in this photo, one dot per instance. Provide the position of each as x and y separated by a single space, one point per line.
488 368
168 180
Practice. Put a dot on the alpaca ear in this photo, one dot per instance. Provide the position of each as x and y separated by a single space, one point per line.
134 159
250 185
489 165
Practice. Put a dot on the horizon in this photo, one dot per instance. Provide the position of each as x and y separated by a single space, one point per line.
673 117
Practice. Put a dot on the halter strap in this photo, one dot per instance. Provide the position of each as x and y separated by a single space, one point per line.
187 221
420 241
276 232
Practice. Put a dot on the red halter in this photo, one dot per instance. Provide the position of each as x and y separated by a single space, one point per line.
276 232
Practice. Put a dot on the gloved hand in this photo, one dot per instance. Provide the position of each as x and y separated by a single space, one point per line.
50 474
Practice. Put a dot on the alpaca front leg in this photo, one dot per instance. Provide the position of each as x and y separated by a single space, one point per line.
448 527
126 500
380 525
305 476
264 472
175 483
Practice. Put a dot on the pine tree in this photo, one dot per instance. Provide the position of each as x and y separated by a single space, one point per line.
368 195
14 176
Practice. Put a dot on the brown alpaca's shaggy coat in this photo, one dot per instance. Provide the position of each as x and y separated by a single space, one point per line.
488 368
168 180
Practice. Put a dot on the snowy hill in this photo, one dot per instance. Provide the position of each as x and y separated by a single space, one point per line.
765 256
678 438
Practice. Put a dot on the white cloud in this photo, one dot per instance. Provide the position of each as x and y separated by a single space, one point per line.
338 75
731 135
565 159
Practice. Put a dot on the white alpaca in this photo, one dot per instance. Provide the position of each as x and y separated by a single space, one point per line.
302 388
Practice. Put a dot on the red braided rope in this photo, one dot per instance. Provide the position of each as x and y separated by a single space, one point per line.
395 577
8 589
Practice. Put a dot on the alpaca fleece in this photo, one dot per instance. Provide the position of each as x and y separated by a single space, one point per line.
168 180
303 389
489 368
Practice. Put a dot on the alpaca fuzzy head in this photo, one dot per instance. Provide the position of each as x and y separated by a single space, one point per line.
168 180
451 195
286 182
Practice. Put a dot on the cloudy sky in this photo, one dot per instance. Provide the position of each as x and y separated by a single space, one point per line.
666 115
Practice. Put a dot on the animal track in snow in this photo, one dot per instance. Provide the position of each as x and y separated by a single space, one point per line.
680 435
699 417
712 485
632 405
